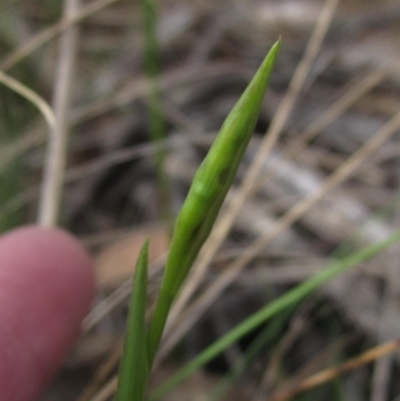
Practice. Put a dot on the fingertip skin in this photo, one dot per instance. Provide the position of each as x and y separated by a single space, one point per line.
46 287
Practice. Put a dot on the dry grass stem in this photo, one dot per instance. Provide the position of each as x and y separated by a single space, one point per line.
351 96
52 183
116 298
49 33
107 390
331 373
271 373
32 97
141 87
101 374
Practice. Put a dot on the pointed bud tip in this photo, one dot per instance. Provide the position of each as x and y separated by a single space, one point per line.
146 246
277 45
144 250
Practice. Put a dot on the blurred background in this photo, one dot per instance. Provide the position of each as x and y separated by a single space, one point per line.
141 88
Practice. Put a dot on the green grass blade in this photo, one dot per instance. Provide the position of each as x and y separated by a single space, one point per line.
290 298
157 126
209 188
134 372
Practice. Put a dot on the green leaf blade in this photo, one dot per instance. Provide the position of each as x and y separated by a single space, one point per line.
134 371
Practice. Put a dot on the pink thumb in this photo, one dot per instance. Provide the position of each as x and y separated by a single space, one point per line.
46 287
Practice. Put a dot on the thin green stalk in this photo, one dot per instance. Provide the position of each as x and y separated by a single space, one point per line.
277 306
134 372
206 195
156 120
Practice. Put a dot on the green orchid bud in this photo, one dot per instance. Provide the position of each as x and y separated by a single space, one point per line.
207 193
